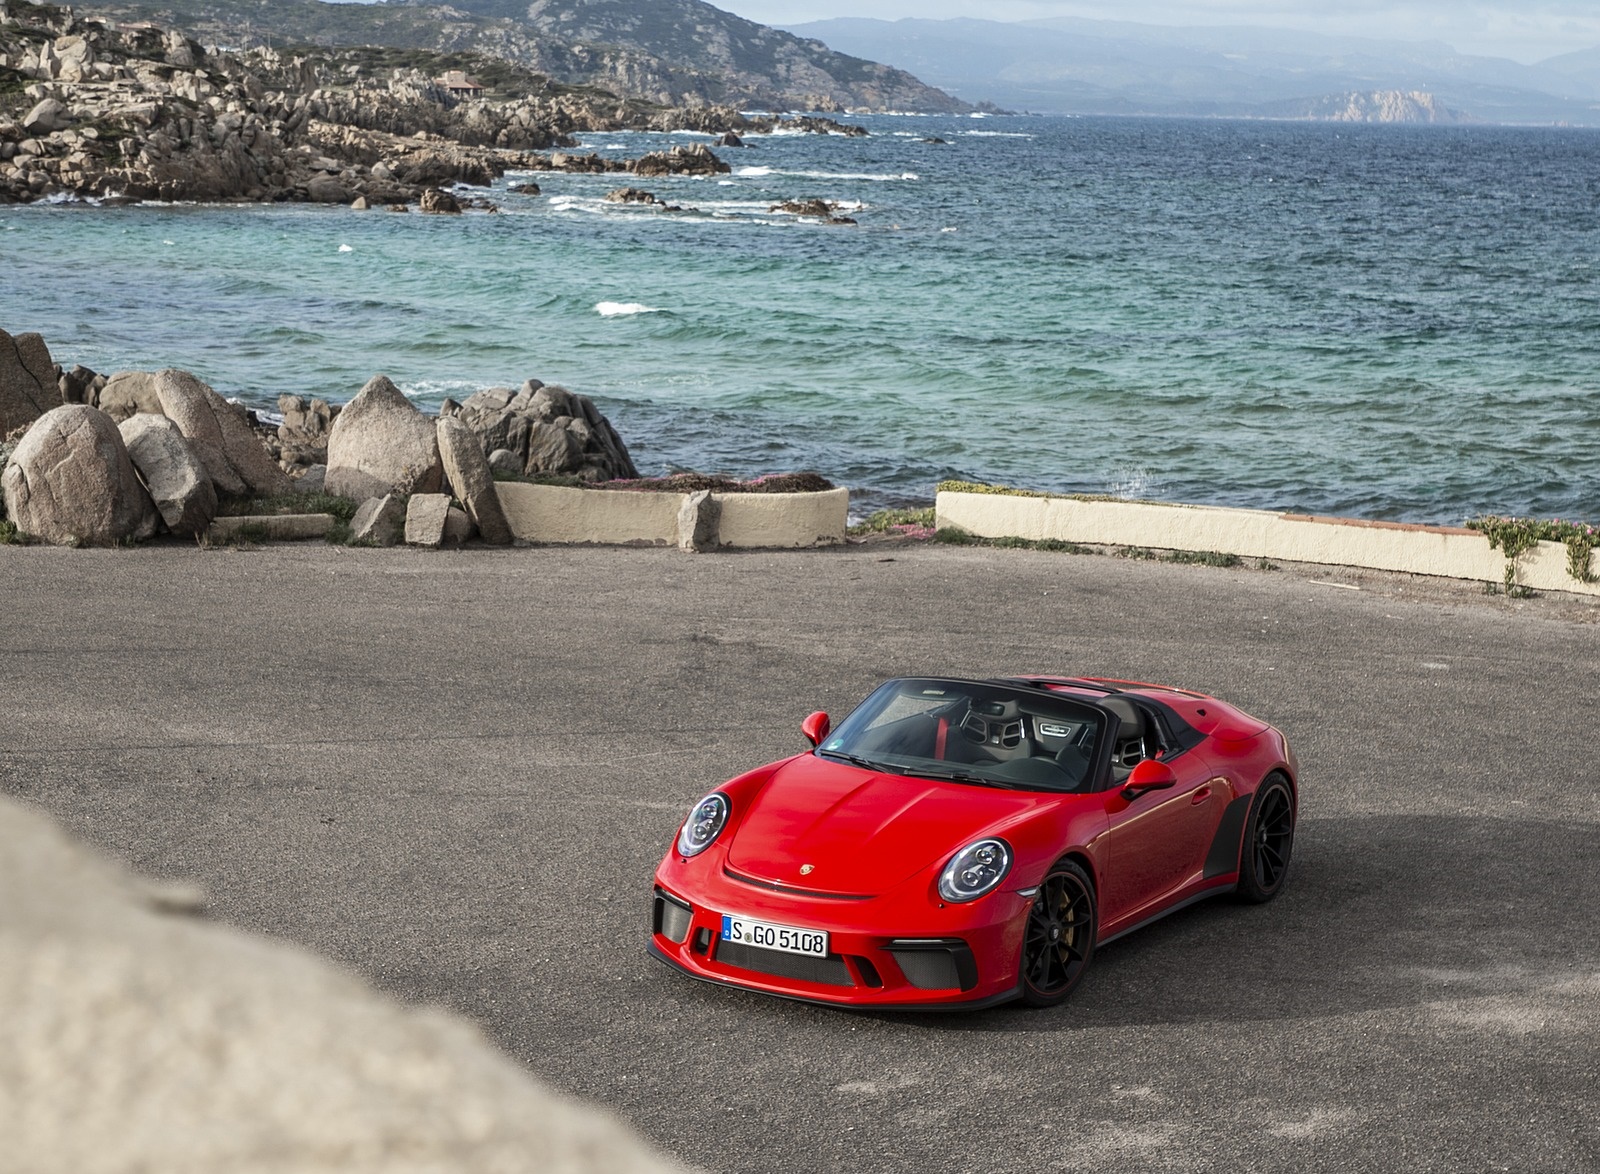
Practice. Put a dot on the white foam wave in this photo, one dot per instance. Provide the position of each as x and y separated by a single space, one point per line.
346 249
878 177
623 309
438 389
994 134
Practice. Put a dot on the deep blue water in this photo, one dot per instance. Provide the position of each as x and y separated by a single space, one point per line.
1377 321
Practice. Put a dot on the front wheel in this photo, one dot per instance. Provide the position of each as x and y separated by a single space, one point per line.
1058 940
1268 841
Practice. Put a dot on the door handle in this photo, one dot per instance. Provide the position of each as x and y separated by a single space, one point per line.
1201 796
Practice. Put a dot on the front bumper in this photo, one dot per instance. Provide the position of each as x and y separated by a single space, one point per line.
900 951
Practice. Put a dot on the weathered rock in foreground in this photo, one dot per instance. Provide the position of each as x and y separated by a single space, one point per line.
172 472
137 1040
70 482
382 444
427 514
219 431
28 385
471 480
379 521
549 429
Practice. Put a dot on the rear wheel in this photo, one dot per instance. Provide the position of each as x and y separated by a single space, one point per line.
1268 841
1058 940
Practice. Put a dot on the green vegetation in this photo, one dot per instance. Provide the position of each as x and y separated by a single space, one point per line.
13 81
1205 558
249 534
342 508
904 521
9 534
1516 536
1011 491
954 536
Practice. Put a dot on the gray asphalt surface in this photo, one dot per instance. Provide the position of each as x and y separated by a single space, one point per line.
456 772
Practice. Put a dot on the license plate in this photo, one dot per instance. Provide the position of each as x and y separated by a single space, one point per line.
811 942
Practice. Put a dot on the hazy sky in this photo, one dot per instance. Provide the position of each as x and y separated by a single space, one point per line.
1524 30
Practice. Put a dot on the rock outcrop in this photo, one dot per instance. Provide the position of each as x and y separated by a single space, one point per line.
382 444
467 468
172 472
28 383
135 113
547 429
70 482
219 431
137 1036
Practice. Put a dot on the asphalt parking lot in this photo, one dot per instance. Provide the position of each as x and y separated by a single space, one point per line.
455 772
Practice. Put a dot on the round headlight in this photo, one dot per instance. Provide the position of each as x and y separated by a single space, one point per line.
975 870
704 824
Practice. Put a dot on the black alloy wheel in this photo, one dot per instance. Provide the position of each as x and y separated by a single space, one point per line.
1058 940
1268 841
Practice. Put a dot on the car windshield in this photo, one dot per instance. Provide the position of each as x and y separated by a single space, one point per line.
981 732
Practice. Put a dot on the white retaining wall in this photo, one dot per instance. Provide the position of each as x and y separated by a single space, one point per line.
558 514
1448 551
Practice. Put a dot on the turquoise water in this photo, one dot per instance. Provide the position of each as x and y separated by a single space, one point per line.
1375 321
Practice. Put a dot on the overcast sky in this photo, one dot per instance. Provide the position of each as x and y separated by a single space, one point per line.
1526 31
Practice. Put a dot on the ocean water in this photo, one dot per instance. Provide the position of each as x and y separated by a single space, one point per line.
1382 322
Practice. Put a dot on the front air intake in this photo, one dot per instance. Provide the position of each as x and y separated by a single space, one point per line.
671 917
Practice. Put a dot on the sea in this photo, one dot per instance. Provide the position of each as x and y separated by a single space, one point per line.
1394 322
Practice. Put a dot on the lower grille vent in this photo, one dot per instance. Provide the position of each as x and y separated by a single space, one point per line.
831 971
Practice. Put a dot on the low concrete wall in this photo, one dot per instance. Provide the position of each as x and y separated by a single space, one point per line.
556 513
273 527
782 519
1448 551
559 514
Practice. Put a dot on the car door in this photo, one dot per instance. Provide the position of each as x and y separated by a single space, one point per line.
1156 842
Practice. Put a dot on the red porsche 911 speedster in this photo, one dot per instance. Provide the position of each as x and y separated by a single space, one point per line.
962 843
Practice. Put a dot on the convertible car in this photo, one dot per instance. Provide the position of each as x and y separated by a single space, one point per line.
962 843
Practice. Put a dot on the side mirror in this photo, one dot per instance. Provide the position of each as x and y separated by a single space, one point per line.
816 728
1150 775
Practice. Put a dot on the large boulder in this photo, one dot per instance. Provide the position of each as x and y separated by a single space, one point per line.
472 482
139 1037
220 432
70 482
244 452
382 444
28 384
548 429
172 471
127 393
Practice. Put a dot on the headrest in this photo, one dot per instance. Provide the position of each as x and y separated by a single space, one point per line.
1130 718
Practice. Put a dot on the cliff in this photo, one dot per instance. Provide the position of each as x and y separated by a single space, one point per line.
673 52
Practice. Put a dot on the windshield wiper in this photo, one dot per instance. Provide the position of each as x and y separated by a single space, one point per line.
857 760
954 776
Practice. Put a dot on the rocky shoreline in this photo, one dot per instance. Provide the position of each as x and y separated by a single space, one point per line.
135 112
95 460
100 460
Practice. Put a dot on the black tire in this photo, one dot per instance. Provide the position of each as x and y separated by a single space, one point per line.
1268 841
1058 936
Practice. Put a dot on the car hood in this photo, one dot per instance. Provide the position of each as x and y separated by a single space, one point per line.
861 832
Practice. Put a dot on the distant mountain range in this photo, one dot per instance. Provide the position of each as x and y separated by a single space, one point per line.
674 52
1072 66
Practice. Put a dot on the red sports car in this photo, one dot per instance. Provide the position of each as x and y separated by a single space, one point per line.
962 843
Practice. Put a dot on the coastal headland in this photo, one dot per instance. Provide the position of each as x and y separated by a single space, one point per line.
135 111
453 774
